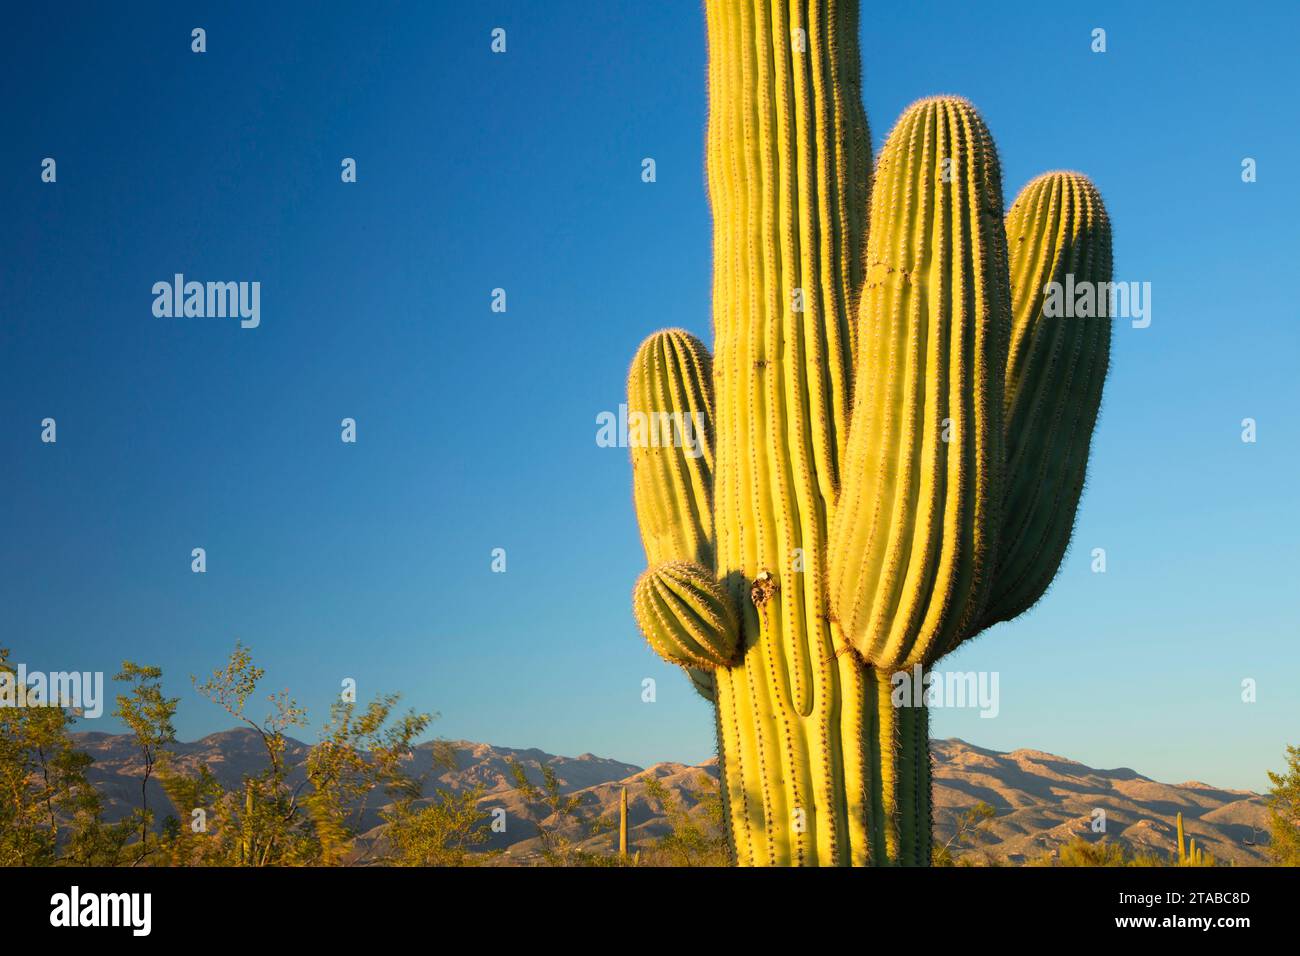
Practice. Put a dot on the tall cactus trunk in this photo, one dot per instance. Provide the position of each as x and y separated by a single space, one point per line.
622 824
819 767
845 785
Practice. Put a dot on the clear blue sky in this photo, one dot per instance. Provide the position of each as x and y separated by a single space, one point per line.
477 430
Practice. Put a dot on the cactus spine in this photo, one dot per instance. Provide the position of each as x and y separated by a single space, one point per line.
890 450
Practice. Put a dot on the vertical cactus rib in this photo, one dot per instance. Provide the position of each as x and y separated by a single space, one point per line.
888 744
851 736
914 533
670 383
738 734
766 676
724 82
1056 368
791 444
849 183
800 437
920 807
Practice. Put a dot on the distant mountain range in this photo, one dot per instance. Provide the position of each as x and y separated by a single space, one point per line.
1042 801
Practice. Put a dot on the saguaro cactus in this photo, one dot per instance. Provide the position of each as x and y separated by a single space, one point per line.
622 823
1188 853
891 434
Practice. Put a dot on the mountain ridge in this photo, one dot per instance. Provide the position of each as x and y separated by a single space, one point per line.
1042 800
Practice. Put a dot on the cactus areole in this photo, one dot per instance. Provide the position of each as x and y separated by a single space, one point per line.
895 436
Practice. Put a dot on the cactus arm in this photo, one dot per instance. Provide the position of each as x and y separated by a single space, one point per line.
687 618
1057 365
670 384
702 681
672 375
914 535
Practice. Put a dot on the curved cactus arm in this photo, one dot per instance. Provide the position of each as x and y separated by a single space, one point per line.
1060 239
670 431
913 537
703 683
686 615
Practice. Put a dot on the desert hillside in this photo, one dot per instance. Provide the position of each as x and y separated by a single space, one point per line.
1042 800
